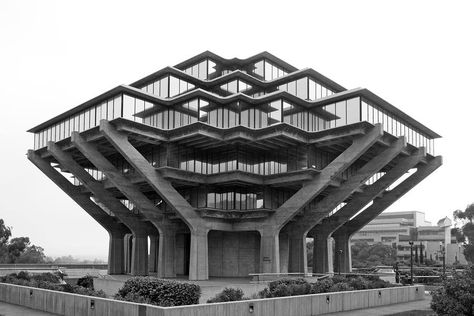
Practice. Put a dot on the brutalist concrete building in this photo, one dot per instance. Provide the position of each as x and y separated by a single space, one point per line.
223 167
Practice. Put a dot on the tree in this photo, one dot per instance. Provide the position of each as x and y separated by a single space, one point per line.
466 218
365 255
456 296
19 249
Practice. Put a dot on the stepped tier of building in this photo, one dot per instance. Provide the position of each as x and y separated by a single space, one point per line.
223 167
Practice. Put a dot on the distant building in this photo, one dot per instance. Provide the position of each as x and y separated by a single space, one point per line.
397 229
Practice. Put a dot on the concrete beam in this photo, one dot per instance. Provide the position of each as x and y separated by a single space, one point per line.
310 218
313 188
166 191
115 229
342 234
144 205
139 229
198 269
327 226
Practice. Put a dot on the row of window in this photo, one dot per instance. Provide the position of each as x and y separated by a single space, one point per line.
306 89
168 87
346 112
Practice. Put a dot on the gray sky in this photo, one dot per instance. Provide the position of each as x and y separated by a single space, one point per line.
418 55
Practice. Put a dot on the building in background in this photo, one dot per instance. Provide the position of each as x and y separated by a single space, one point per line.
397 229
222 167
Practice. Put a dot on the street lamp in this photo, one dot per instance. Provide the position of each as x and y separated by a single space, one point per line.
411 261
340 259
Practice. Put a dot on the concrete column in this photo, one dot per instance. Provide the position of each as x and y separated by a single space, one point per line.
342 260
198 261
166 253
269 251
140 255
116 253
322 253
153 257
128 253
284 252
298 260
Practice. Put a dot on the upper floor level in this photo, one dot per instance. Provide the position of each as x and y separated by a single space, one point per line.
256 93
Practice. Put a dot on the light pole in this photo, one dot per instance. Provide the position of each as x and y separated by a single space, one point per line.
340 259
411 261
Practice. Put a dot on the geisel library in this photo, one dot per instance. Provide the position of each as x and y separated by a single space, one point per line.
223 167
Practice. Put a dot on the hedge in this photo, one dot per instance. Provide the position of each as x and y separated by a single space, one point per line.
159 292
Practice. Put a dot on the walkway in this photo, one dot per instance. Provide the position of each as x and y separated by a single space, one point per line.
15 310
415 308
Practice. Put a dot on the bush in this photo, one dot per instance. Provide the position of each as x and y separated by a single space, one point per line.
456 296
159 292
86 282
227 295
286 287
48 281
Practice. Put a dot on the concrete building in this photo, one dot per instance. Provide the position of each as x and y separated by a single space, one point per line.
223 167
397 229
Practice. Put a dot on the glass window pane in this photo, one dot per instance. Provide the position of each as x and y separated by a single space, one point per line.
353 110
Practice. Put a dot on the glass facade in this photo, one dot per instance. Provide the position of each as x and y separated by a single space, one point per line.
204 70
306 88
268 71
168 87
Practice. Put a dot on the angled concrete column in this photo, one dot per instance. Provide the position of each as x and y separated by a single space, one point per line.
284 242
140 254
197 226
314 187
342 255
153 257
269 251
198 261
162 186
298 254
322 253
312 217
116 263
132 221
166 254
381 203
115 229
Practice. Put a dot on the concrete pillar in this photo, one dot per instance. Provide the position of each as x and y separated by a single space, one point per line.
140 255
166 254
198 260
298 260
116 253
284 252
342 256
153 257
269 251
128 253
322 253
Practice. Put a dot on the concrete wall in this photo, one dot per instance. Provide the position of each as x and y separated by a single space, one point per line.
305 305
233 254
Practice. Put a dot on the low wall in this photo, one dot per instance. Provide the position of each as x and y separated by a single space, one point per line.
72 304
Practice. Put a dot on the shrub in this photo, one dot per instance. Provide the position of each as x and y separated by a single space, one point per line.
48 281
159 292
456 296
86 282
227 295
286 287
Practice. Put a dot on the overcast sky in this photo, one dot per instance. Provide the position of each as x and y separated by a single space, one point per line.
418 55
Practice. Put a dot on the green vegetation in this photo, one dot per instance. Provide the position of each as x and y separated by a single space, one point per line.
49 281
227 295
456 296
18 250
365 255
466 218
159 292
299 286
